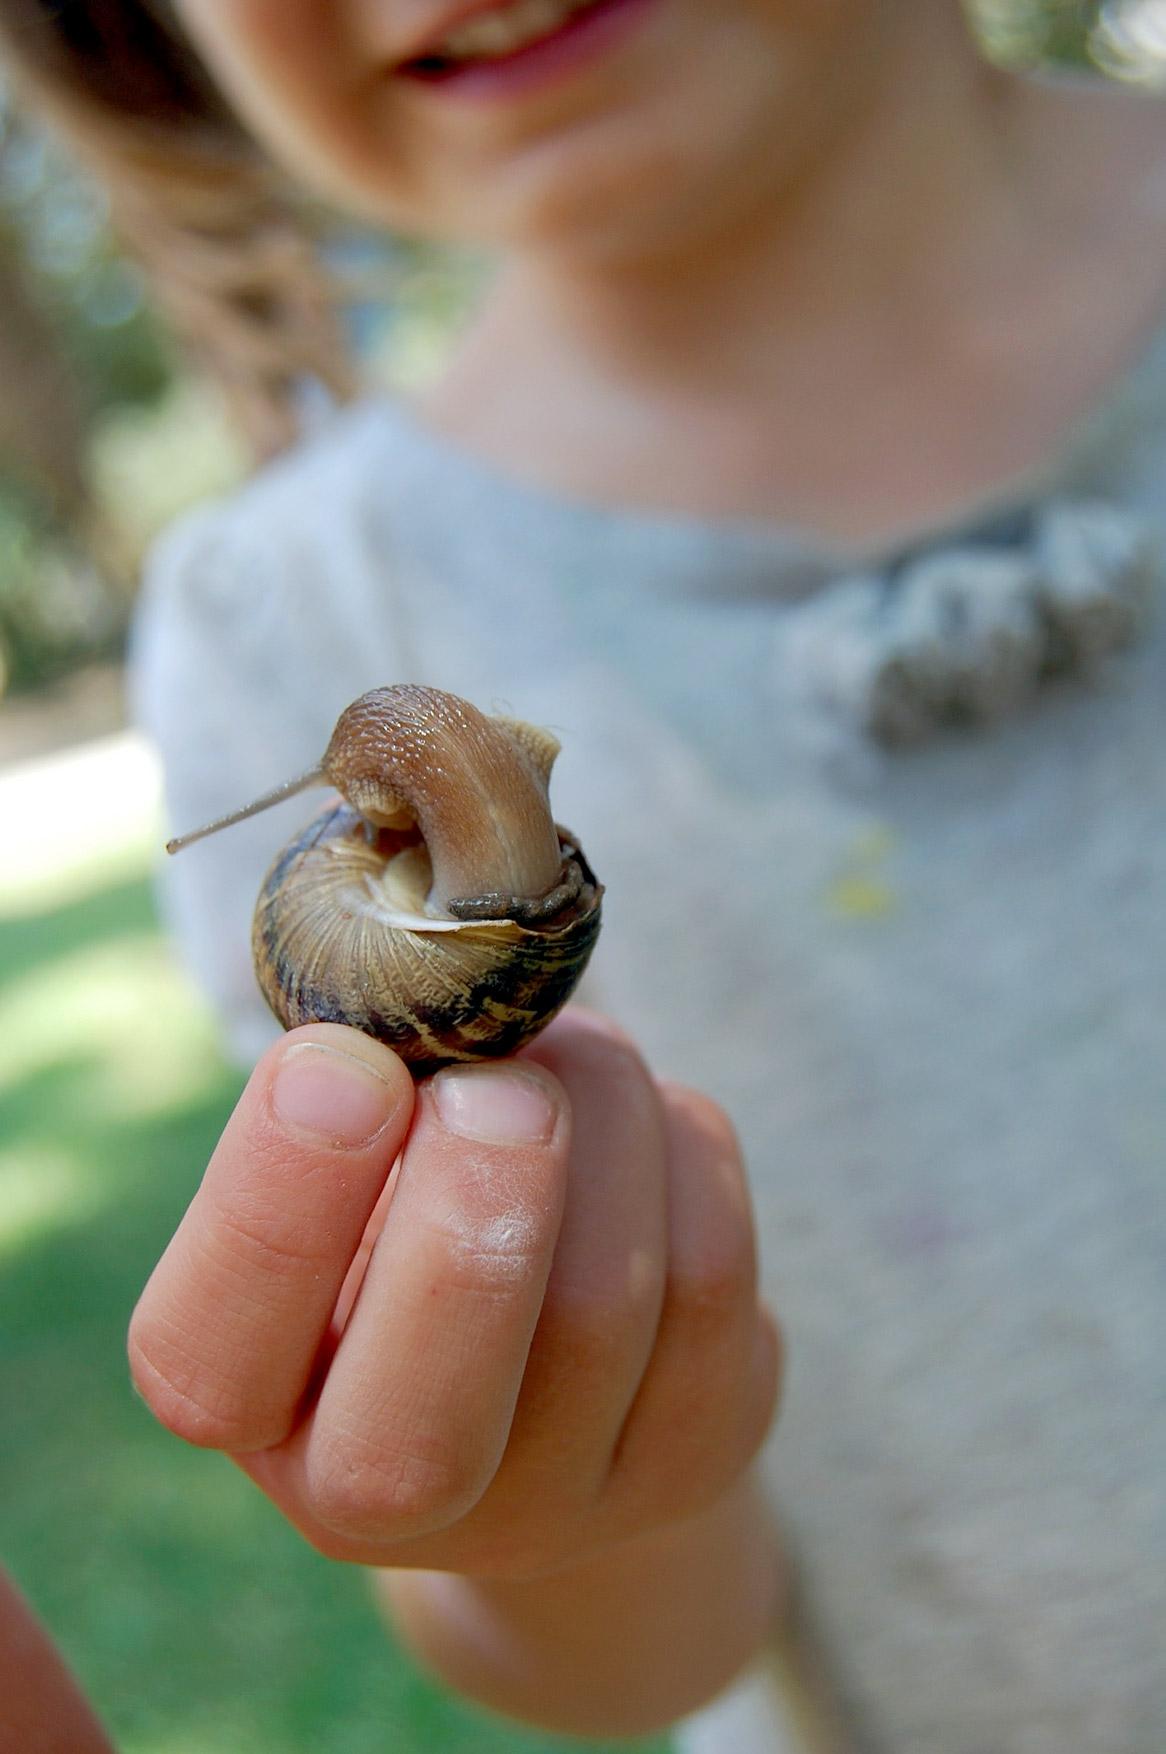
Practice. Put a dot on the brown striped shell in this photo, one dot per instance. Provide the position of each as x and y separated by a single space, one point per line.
439 908
328 948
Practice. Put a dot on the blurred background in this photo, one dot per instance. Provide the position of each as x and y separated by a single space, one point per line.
198 1623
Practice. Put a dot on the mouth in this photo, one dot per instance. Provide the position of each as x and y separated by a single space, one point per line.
513 37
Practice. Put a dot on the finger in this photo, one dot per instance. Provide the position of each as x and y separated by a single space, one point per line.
223 1341
594 1333
598 1323
414 1414
709 1394
597 1326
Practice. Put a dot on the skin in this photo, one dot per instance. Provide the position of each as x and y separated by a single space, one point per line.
579 1372
41 1708
755 253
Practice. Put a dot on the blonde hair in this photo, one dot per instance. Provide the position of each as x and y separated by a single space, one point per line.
231 254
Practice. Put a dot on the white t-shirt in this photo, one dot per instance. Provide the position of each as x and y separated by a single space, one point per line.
929 986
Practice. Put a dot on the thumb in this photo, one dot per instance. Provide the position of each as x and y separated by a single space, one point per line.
224 1339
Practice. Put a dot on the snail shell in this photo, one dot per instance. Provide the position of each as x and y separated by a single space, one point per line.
329 947
438 908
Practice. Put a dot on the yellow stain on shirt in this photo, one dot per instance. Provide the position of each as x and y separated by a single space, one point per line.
860 898
859 890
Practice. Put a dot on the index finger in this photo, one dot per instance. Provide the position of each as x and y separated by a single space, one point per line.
225 1336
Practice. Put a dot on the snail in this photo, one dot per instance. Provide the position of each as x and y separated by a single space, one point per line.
439 907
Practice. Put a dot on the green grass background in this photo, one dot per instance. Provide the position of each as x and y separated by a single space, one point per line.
197 1621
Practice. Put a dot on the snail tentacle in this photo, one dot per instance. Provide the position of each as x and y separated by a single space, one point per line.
314 777
439 908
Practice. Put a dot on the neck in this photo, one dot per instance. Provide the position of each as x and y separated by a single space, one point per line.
890 205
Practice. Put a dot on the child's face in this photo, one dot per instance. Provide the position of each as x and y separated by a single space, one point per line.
615 125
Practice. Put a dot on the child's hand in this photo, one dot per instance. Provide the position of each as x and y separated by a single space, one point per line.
556 1343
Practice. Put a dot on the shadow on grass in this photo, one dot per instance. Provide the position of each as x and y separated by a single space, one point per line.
196 1618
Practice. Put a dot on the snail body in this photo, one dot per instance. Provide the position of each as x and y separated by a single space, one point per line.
438 908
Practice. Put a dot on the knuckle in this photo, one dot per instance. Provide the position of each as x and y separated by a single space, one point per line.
713 1274
487 1254
260 1234
604 1295
386 1492
183 1397
592 1320
710 1294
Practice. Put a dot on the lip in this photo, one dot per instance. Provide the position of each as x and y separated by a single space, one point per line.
431 42
578 41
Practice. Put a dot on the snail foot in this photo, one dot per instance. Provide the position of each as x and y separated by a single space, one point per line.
525 910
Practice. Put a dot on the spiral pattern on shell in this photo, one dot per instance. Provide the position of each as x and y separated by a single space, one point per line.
327 948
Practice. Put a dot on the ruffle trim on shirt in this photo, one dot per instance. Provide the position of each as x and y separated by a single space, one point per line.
967 634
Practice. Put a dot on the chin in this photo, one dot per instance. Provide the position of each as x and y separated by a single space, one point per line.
638 183
604 214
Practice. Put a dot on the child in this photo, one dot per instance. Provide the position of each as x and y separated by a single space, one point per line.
800 466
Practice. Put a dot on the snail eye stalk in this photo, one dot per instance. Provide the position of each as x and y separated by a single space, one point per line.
288 790
439 908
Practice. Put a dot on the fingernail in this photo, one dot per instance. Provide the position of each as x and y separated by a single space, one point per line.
332 1095
499 1106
